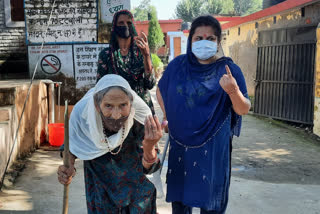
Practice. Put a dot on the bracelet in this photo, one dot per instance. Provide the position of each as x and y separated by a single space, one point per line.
235 89
150 161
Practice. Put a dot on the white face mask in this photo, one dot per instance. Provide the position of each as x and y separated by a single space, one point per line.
204 49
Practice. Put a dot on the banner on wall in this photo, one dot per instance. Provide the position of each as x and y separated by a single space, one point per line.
109 7
71 21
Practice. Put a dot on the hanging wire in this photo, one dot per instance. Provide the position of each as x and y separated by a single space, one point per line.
24 105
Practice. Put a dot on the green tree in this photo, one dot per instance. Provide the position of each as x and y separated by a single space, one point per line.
155 35
140 13
187 10
218 7
190 9
227 7
245 7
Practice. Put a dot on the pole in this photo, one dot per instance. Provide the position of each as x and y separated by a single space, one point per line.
66 158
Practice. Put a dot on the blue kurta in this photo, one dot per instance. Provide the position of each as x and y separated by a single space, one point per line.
201 125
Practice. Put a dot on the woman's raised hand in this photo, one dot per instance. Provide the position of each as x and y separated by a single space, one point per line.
142 43
152 132
228 82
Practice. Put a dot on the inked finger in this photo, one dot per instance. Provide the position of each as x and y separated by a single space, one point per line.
228 70
146 127
152 123
157 122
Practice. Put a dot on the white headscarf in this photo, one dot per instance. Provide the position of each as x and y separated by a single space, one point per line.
86 136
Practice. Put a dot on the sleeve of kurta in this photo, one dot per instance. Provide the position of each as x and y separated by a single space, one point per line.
149 79
163 84
236 120
103 61
238 75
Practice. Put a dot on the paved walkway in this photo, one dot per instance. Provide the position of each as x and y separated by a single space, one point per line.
275 171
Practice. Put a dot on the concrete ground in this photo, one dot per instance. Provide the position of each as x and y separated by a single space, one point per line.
275 170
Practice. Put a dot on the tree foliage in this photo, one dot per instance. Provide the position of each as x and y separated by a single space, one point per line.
155 35
245 7
157 64
187 10
140 13
218 7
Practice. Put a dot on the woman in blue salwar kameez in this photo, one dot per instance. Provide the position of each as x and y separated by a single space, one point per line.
203 95
112 129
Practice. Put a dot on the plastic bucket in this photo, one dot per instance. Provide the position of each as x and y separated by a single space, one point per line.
56 134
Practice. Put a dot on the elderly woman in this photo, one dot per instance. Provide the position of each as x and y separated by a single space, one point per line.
113 131
203 96
128 56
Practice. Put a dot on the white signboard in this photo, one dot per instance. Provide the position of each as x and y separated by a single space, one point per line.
54 60
109 7
86 64
71 21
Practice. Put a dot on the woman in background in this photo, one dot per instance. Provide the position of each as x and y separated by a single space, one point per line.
128 56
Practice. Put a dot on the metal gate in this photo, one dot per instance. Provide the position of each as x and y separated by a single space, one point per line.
285 74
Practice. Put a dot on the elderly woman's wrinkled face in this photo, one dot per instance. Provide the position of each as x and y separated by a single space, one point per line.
115 104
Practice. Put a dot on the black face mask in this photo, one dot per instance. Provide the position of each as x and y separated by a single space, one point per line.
113 124
123 31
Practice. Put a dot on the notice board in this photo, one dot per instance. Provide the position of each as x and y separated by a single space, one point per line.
109 7
86 63
71 21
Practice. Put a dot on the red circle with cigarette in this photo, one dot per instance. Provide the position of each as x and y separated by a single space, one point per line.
50 64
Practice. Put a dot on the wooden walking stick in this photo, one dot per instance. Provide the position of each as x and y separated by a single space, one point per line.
66 158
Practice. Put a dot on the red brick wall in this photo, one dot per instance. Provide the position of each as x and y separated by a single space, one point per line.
166 26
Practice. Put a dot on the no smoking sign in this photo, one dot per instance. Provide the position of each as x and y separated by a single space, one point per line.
50 64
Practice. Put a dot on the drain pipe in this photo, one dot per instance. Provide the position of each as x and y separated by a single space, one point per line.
51 103
58 84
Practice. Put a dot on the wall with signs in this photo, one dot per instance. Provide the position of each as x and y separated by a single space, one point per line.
85 64
109 7
73 65
70 37
71 21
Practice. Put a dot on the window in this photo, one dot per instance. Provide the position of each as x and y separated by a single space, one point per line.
256 25
274 20
14 13
302 12
228 32
238 31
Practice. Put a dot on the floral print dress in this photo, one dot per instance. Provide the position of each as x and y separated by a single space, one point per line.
117 183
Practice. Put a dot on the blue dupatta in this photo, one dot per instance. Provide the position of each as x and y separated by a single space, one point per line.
196 105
